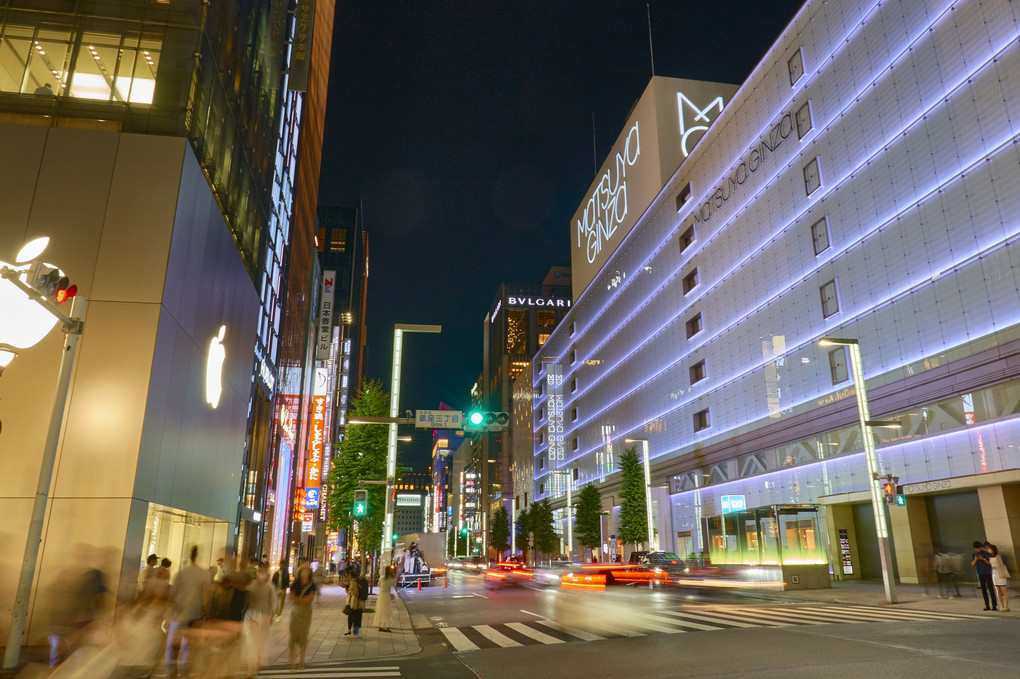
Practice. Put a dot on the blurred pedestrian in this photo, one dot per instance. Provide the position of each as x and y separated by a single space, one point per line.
302 594
945 570
281 581
317 577
78 598
185 610
148 573
220 570
357 594
1000 576
257 619
383 604
981 562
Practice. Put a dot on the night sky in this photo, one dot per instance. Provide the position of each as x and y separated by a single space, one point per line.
465 129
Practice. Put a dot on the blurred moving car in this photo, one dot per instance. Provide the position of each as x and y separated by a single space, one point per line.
508 574
599 576
549 576
470 564
665 561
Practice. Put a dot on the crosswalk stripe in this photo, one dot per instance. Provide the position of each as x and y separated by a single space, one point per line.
824 616
533 633
647 622
613 630
580 634
871 616
907 612
760 614
683 622
457 639
709 618
492 635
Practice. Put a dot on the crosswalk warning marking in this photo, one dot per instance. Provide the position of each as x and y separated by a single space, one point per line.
534 633
761 614
579 633
683 622
457 639
495 637
722 620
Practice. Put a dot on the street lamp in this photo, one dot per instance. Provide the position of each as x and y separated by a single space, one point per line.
28 317
391 448
648 487
877 500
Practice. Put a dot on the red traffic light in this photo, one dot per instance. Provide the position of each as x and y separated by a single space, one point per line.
889 488
65 292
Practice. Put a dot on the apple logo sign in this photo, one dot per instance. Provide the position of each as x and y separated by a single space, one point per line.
214 369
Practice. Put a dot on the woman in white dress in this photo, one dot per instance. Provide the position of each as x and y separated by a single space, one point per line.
383 604
1000 577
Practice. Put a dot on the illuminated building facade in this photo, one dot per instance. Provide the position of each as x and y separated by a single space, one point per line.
862 183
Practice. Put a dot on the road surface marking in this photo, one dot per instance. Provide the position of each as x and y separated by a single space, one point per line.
793 616
495 637
905 613
580 634
682 623
477 594
458 640
530 613
533 633
710 618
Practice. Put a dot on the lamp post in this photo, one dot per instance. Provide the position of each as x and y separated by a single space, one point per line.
648 488
867 424
30 317
391 448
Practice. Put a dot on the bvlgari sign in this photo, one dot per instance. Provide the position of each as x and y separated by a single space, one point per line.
663 127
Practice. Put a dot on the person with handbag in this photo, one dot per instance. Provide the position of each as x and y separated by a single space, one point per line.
355 607
302 594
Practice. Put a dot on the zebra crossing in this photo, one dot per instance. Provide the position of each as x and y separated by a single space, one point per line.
666 621
332 671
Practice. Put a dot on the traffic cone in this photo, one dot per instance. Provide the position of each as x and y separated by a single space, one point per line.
419 584
444 580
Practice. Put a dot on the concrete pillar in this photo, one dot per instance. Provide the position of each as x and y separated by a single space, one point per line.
1000 510
838 518
911 535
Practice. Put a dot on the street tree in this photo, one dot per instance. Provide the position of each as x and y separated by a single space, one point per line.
633 526
499 531
547 540
361 456
588 517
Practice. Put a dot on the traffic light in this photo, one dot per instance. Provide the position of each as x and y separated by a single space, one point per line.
464 531
360 505
53 285
482 420
901 498
889 488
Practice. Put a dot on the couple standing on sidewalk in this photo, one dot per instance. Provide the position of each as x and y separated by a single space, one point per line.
357 596
992 575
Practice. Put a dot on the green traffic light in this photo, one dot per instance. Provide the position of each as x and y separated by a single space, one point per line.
360 508
901 500
475 417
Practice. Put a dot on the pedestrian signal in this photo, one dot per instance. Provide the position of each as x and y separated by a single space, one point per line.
360 505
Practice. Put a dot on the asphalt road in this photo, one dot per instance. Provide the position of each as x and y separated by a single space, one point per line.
468 632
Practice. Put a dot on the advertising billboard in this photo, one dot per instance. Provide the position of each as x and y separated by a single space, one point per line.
662 128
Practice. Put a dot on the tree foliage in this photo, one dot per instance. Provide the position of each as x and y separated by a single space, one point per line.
547 540
499 530
361 456
633 526
588 517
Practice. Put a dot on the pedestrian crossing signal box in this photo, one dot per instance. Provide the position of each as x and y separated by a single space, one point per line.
360 505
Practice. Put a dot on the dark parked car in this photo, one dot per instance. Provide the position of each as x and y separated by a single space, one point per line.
666 561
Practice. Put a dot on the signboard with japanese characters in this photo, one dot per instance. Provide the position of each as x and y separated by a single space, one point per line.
438 419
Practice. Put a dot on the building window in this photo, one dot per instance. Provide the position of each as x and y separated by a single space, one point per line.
571 328
541 488
577 474
694 326
701 420
804 122
541 437
830 298
541 463
517 331
812 176
687 237
541 388
698 371
690 280
573 356
837 365
683 196
573 385
573 415
541 414
820 235
543 337
338 241
546 318
573 443
796 66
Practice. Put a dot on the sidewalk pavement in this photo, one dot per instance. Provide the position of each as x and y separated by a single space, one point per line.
872 593
327 643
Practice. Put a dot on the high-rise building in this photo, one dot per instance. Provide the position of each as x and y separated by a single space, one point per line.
157 147
861 184
518 323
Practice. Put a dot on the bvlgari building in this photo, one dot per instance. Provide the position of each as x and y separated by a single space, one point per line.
862 183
